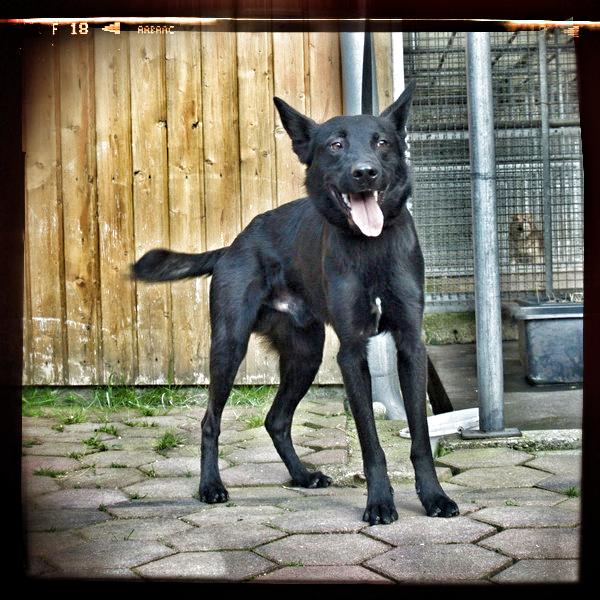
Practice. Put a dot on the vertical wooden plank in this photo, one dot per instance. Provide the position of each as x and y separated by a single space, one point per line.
78 142
150 200
43 214
255 97
257 162
221 137
289 85
325 75
382 41
326 102
189 299
115 209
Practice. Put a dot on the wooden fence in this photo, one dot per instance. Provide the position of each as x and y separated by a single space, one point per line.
139 141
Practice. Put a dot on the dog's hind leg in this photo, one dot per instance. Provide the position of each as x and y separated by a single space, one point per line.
233 313
300 354
226 356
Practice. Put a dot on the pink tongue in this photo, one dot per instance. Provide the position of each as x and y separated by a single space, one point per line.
366 214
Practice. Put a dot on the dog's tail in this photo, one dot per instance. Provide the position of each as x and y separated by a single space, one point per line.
165 265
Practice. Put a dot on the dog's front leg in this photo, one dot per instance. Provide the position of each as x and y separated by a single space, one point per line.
352 359
412 369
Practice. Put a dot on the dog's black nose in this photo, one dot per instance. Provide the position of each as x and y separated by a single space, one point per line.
365 172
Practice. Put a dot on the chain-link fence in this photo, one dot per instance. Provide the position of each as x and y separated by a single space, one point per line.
539 172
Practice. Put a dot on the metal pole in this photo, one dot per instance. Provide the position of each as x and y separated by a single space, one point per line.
546 174
485 234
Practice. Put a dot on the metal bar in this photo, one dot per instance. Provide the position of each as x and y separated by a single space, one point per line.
485 233
546 173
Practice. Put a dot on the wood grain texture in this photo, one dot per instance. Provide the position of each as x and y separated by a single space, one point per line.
140 141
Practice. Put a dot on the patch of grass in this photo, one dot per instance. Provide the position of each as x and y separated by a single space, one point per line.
170 439
573 492
252 395
48 472
95 444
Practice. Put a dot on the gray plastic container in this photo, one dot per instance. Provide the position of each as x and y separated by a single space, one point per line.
551 341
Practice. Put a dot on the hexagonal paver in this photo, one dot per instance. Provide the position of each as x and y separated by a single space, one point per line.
81 498
109 555
540 571
527 516
342 519
322 575
323 549
223 536
425 530
535 543
133 529
499 477
438 563
472 458
207 566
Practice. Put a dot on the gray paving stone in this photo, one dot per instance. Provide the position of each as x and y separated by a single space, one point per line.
173 467
323 575
426 530
561 483
564 462
527 516
206 566
339 519
510 497
327 457
436 563
59 464
540 571
164 487
80 498
129 458
323 549
106 478
228 513
256 474
58 519
499 477
151 508
223 536
109 555
535 543
133 529
484 457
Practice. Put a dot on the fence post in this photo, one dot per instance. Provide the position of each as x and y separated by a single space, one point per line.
485 236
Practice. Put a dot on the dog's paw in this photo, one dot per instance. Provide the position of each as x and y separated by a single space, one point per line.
213 493
314 480
381 513
442 506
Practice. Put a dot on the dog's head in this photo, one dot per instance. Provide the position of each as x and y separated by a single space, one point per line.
521 224
357 175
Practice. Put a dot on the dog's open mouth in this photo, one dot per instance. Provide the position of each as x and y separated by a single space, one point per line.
365 210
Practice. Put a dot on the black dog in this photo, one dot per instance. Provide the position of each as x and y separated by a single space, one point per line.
347 255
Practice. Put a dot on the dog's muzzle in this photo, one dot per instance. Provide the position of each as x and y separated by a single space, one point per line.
364 209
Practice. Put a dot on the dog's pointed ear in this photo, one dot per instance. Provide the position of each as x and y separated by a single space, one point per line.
398 111
299 128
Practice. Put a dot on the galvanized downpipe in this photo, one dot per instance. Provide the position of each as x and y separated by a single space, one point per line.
488 316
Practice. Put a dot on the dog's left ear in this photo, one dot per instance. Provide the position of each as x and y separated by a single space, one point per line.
299 128
398 111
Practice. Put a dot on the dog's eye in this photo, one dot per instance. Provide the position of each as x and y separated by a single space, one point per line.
336 145
381 143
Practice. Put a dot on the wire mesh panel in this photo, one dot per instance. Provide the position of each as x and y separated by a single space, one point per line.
538 164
